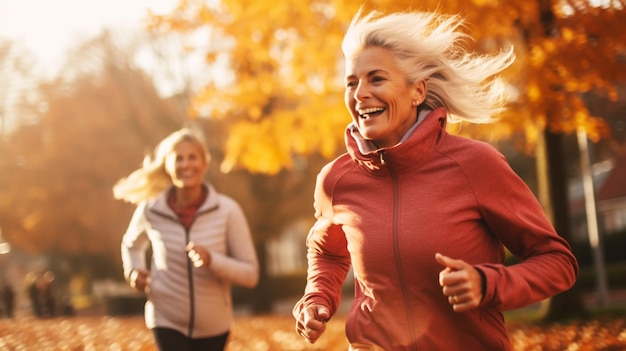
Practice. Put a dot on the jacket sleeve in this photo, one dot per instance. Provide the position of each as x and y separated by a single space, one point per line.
135 242
513 214
327 254
240 266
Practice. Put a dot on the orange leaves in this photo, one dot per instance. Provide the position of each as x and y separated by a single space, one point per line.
269 144
275 333
580 58
283 55
589 336
255 147
91 333
533 91
285 58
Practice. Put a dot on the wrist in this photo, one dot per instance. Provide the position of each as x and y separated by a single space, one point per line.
131 274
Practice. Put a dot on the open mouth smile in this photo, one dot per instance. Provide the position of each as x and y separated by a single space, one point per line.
370 112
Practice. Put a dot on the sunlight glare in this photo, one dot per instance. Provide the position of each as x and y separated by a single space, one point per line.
48 28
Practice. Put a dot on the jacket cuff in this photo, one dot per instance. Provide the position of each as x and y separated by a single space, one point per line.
483 284
490 293
128 274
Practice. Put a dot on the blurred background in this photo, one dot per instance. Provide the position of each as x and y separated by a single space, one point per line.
87 88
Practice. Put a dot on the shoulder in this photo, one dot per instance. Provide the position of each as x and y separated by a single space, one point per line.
484 167
223 202
470 153
141 206
328 177
141 210
220 199
227 201
333 171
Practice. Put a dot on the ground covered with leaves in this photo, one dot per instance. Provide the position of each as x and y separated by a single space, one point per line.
275 333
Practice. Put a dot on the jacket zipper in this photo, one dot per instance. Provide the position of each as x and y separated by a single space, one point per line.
192 303
192 295
396 245
192 300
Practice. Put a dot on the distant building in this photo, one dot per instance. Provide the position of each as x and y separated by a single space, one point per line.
611 199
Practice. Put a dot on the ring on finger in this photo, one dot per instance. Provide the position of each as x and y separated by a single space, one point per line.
455 299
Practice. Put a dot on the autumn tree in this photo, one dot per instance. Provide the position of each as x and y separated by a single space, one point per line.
16 70
567 30
93 124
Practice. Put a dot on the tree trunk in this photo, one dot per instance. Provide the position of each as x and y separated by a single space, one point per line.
568 304
262 300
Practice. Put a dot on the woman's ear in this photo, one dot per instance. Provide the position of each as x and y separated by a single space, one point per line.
419 92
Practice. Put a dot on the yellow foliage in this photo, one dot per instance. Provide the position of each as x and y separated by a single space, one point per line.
537 56
485 2
285 56
532 133
568 34
533 92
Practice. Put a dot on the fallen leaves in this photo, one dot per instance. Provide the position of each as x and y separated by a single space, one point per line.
593 335
275 333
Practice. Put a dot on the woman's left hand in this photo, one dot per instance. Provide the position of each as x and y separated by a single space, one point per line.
461 282
198 255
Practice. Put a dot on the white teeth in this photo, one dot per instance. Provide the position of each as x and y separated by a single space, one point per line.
370 110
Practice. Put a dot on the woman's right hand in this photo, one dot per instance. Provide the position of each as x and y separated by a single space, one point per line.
139 280
311 322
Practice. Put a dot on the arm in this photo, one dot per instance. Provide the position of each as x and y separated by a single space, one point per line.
328 265
325 275
134 246
514 215
241 265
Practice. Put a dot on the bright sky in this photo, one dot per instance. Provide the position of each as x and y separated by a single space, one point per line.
49 27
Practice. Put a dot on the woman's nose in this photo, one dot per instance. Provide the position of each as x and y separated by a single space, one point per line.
361 92
183 163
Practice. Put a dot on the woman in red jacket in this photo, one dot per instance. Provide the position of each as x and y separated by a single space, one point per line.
423 216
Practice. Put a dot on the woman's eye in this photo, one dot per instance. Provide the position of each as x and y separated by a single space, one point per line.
350 84
376 79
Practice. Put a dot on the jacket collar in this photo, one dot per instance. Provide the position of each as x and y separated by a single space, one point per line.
414 150
159 204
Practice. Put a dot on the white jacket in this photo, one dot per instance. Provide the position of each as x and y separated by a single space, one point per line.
194 301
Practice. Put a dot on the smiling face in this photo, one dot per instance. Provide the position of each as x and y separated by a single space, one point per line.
381 102
186 165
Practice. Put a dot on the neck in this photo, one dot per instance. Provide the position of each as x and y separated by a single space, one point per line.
186 196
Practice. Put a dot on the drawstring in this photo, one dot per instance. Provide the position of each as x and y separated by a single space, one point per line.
382 157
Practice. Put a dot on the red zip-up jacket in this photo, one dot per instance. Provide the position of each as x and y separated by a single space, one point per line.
387 212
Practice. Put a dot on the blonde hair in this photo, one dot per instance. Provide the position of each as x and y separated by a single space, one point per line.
428 46
151 179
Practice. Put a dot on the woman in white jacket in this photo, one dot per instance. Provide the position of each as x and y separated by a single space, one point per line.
200 244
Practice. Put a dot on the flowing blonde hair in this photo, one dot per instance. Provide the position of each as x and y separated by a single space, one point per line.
428 46
151 179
